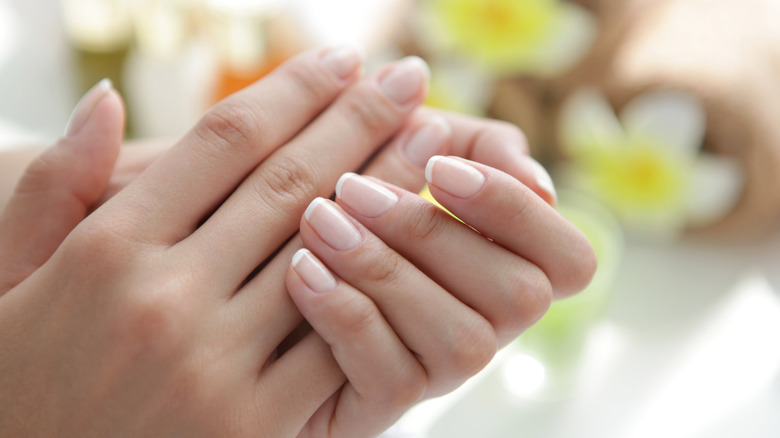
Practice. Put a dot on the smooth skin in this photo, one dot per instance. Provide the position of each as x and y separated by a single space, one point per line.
419 302
140 320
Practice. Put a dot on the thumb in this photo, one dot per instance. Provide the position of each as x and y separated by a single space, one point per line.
59 187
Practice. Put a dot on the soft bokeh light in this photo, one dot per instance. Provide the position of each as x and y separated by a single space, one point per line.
524 375
733 360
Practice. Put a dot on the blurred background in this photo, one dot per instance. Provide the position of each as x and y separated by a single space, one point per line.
658 119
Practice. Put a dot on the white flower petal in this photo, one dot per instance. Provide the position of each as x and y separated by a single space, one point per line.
673 119
716 185
571 36
588 120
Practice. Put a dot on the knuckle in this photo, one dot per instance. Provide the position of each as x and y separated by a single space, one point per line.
370 112
427 225
585 266
231 125
38 177
152 321
95 242
472 348
518 208
407 389
530 296
356 315
309 79
289 179
384 268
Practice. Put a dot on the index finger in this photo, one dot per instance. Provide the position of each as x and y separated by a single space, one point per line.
495 143
166 202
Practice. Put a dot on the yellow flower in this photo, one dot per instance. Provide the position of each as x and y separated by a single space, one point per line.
541 37
646 165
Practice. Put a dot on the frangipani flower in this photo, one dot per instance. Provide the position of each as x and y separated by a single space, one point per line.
536 37
647 165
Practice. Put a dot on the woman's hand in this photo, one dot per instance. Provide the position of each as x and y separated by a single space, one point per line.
152 317
50 183
418 302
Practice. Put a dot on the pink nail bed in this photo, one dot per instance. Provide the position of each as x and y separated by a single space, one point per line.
427 141
454 176
405 79
313 272
364 196
331 225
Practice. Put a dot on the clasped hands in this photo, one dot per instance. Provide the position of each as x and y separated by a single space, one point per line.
172 309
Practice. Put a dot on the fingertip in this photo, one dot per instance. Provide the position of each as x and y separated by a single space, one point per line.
315 275
543 182
429 168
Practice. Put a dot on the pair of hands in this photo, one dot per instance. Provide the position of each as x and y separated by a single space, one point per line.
162 312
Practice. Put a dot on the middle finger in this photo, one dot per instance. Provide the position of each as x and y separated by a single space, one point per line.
340 139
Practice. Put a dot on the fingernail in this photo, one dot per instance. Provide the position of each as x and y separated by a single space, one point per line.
83 109
454 177
404 81
332 226
544 181
427 141
366 197
313 272
342 61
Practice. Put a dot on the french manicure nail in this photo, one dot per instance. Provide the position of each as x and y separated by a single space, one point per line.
342 61
454 176
404 81
313 272
427 141
544 181
83 109
366 197
332 226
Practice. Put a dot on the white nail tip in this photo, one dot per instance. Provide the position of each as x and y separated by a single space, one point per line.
313 206
300 254
105 85
429 167
340 183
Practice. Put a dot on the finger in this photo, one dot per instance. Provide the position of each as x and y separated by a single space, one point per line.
495 143
178 190
264 298
450 340
307 368
12 167
340 139
134 158
504 288
57 190
500 207
383 377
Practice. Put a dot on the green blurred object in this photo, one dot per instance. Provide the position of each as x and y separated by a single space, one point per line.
557 340
101 35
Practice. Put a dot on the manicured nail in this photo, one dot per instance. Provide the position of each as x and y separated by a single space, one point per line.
366 197
544 181
83 109
404 81
342 61
454 176
313 272
427 141
332 226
